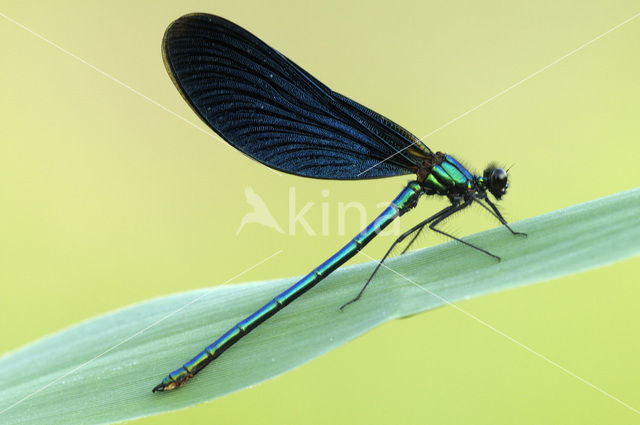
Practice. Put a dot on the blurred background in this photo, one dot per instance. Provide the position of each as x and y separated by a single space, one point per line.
107 197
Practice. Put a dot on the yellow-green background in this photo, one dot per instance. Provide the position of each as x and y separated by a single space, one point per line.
107 199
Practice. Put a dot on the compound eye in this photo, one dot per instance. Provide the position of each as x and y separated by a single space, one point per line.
498 182
498 178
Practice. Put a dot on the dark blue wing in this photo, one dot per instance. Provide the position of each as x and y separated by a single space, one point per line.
272 110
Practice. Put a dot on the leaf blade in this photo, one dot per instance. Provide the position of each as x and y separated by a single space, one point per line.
87 374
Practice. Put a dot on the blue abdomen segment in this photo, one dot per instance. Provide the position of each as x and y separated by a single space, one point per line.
406 200
448 176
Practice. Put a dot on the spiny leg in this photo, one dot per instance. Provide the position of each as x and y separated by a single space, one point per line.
457 208
413 239
435 220
417 228
498 215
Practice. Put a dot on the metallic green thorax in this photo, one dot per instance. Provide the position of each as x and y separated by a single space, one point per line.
447 177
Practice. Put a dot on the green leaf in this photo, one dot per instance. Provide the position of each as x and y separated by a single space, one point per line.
103 370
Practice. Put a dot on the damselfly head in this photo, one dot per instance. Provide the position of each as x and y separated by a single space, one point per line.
496 181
